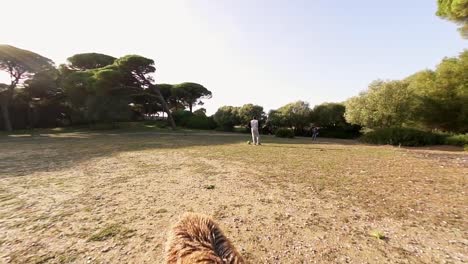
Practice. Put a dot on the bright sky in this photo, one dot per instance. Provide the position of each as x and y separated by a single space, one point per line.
267 52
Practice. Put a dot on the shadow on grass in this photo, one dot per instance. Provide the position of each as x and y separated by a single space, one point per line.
21 156
24 154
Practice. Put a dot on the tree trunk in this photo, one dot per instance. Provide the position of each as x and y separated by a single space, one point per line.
6 115
190 107
165 107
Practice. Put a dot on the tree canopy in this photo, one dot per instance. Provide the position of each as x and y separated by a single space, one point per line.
294 115
428 99
227 117
456 11
190 94
20 64
384 104
88 61
328 115
248 111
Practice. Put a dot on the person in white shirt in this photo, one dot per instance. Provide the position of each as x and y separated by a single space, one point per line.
254 129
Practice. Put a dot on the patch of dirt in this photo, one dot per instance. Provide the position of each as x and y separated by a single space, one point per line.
100 199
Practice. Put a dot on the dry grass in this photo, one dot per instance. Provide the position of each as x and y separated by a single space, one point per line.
110 198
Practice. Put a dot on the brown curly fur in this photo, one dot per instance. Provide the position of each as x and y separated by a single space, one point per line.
198 239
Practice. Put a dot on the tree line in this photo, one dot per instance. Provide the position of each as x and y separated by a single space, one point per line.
297 116
428 100
93 88
89 88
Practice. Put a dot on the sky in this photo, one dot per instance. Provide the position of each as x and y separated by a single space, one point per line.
266 52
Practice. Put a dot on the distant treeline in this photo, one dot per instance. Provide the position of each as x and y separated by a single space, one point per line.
428 100
90 88
297 116
94 88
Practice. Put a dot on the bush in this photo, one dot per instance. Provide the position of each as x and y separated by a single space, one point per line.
403 136
345 132
156 123
284 133
227 117
189 120
181 117
457 140
103 126
201 122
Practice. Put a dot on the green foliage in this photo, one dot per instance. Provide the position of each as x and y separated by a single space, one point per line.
189 120
165 89
457 140
87 61
78 86
227 117
295 115
95 87
455 11
428 99
344 132
107 109
248 111
284 133
43 84
104 94
441 96
329 115
200 112
190 94
93 93
384 104
402 136
170 94
20 65
137 67
181 117
155 123
201 122
275 119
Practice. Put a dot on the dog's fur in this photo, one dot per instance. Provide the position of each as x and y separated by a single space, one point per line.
198 239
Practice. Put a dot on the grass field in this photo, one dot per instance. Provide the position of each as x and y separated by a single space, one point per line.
109 197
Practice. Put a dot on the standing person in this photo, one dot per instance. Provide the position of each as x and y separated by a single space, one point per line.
314 133
254 129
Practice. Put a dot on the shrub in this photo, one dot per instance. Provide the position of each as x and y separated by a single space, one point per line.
103 126
227 117
200 122
403 136
457 140
156 123
284 133
181 117
189 120
345 132
127 125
